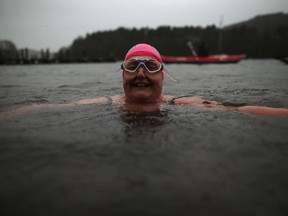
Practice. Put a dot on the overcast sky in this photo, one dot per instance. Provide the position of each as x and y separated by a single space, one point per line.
41 24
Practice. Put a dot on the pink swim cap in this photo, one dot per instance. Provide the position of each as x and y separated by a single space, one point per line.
143 50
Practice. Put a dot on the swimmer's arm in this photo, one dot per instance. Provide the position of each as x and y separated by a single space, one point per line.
100 100
12 114
268 111
255 110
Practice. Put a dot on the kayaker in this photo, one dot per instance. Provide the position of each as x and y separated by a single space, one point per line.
203 50
143 75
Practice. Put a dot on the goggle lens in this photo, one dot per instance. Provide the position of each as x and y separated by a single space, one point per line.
150 65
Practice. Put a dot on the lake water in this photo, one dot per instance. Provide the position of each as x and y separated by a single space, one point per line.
185 160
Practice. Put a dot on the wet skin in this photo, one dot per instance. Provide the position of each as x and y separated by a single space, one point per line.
142 86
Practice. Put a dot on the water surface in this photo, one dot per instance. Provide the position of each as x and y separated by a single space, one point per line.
182 160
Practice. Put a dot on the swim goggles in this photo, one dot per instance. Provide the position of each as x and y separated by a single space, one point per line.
151 65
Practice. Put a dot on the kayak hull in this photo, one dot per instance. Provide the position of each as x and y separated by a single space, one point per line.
216 59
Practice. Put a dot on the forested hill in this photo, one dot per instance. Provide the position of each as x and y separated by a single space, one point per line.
264 22
264 36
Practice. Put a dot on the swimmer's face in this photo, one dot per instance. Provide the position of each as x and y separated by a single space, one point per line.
142 86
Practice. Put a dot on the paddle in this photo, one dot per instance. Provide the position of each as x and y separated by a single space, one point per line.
190 45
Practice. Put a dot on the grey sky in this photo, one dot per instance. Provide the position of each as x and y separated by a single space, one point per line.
53 24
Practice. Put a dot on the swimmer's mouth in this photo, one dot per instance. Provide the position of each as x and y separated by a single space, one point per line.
141 85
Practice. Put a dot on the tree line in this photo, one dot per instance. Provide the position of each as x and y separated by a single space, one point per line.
108 46
112 45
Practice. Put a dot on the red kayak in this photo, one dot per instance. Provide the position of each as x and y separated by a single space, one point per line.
215 59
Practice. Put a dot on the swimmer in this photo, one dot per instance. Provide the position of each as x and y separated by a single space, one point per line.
143 74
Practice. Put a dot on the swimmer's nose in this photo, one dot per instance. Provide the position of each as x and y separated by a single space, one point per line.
141 72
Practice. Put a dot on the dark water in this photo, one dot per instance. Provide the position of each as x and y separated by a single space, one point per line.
99 160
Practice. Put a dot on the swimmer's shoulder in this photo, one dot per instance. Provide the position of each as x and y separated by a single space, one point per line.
167 98
116 99
182 99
